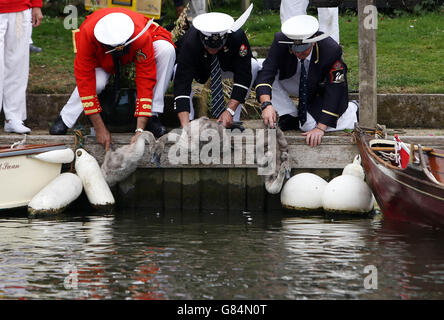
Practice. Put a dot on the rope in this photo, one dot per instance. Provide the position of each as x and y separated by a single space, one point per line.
78 143
18 143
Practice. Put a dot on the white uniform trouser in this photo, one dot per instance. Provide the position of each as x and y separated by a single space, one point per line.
255 67
283 104
197 7
165 56
328 17
15 30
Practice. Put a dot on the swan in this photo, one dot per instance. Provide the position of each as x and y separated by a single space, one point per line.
120 163
281 168
354 168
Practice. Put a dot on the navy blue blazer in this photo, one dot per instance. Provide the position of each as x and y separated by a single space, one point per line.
327 77
193 63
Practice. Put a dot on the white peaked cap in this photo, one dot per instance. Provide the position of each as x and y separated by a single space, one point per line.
213 22
220 23
114 29
300 27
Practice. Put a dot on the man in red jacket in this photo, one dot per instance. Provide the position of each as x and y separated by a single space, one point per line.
110 37
17 17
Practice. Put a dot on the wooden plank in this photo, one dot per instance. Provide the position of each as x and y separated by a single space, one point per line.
191 188
321 157
367 63
149 189
273 202
214 189
172 188
245 4
237 189
125 192
255 191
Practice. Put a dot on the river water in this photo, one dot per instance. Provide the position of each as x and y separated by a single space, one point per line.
217 255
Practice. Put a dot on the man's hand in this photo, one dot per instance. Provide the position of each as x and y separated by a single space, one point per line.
133 139
184 118
141 124
104 138
102 134
314 136
36 16
269 116
226 119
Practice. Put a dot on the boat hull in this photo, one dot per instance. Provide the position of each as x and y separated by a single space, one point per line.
402 194
22 177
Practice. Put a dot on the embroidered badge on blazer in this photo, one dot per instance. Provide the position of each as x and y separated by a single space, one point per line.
243 50
337 73
140 56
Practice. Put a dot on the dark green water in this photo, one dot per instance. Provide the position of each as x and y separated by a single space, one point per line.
237 255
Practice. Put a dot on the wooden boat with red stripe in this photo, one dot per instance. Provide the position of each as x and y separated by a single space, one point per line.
21 176
414 194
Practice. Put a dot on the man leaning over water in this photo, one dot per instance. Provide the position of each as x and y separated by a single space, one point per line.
214 47
305 63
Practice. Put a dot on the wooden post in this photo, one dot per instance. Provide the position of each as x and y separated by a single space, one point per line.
368 19
245 4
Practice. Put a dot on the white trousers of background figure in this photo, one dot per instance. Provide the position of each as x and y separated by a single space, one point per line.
328 17
229 75
197 7
283 104
165 55
15 30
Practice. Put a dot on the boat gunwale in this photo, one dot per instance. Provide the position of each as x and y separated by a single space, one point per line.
363 139
29 149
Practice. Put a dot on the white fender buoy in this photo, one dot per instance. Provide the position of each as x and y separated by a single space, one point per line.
96 188
348 194
57 195
56 156
355 168
303 192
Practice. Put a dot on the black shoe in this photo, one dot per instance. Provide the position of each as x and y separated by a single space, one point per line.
155 127
58 127
33 48
288 122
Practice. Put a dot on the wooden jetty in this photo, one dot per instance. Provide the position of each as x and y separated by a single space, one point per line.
219 186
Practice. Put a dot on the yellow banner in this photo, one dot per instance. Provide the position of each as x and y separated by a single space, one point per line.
149 8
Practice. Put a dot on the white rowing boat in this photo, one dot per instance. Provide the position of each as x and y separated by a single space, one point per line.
21 176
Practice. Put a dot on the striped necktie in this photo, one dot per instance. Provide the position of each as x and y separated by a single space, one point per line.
217 94
303 91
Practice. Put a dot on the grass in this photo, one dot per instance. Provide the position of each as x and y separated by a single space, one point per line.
409 51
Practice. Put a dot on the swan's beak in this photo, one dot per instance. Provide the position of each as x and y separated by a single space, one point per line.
287 174
156 159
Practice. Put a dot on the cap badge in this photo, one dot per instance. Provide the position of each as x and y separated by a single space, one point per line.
243 50
120 48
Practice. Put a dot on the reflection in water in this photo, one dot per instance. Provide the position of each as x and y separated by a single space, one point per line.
216 255
327 258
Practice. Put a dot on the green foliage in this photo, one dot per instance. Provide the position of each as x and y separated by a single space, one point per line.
54 8
409 51
426 6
